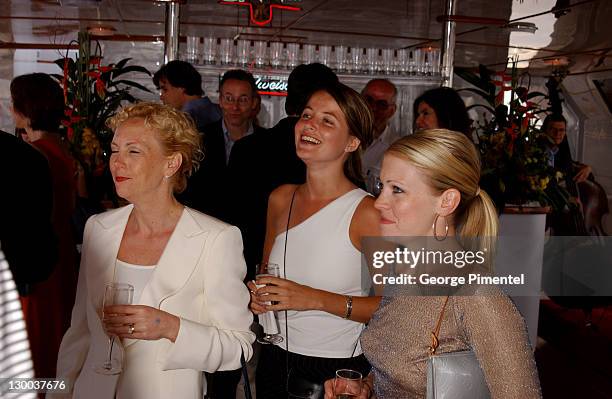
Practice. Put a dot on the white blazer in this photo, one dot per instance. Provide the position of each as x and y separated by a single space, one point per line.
199 278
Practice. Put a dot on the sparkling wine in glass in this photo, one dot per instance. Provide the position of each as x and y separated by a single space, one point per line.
347 384
269 320
114 294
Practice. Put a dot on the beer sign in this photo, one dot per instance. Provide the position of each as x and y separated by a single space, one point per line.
271 85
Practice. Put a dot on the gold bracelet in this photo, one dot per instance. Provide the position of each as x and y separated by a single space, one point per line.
349 307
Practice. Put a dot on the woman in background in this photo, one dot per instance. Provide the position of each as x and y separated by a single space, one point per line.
441 108
430 189
38 107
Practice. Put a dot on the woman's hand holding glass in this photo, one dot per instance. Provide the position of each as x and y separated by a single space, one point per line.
269 320
114 293
284 294
349 384
140 322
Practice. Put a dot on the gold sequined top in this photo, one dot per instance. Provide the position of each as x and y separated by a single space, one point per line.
397 338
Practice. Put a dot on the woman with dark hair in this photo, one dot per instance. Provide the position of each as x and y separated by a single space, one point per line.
314 233
441 108
38 107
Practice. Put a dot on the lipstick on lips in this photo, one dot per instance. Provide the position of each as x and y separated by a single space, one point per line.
119 179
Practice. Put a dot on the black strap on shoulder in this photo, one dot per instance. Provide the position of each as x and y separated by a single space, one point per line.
285 276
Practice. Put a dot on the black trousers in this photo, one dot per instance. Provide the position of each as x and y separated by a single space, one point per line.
271 375
222 384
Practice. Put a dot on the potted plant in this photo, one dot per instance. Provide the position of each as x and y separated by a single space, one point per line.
515 164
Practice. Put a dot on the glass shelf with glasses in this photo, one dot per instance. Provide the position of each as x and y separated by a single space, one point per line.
279 58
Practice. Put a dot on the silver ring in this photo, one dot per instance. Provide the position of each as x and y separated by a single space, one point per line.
131 330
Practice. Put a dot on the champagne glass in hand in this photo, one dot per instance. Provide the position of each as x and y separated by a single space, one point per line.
114 294
269 320
347 384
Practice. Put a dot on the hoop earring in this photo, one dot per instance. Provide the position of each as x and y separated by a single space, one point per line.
445 229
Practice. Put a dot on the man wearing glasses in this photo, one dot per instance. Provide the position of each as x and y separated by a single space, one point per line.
212 184
381 96
207 188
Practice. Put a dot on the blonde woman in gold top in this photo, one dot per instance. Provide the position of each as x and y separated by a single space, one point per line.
430 186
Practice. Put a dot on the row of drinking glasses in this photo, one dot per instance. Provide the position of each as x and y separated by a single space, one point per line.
261 54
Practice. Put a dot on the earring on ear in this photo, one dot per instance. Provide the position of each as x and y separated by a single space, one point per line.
435 222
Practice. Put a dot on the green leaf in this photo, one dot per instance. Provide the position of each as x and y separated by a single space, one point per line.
122 63
490 109
481 93
470 77
133 84
534 94
132 68
57 76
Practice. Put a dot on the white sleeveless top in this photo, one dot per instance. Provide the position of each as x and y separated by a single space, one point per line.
136 275
320 254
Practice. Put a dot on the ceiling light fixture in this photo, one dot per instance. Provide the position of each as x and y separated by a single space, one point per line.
521 26
101 30
557 61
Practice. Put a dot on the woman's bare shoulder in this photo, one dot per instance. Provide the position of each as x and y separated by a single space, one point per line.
281 196
366 217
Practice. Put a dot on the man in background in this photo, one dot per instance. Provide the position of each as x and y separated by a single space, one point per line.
180 87
207 189
381 96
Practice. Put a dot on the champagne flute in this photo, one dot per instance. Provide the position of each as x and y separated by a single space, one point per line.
269 320
114 294
347 384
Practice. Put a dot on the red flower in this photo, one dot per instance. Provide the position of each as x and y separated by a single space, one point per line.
524 125
100 87
65 80
499 98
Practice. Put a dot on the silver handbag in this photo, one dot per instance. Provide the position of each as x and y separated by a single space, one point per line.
455 375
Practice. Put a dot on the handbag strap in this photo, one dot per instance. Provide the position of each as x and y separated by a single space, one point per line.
436 332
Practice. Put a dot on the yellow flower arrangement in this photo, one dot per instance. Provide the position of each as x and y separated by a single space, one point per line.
515 162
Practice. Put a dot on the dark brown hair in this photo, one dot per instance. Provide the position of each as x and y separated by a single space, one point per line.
449 108
39 98
360 123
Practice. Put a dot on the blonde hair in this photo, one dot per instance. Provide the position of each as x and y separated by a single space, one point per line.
450 160
176 133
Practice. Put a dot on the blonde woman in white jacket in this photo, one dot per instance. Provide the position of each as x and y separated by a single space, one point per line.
190 311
